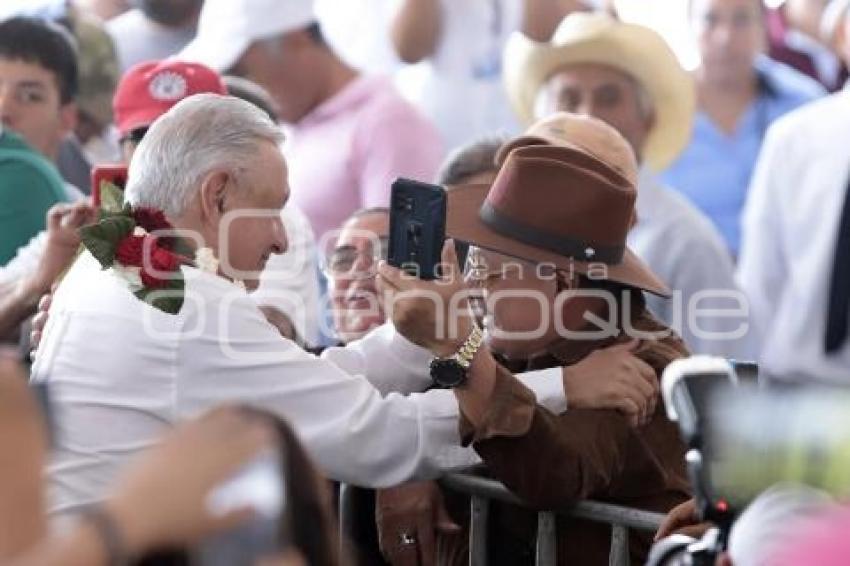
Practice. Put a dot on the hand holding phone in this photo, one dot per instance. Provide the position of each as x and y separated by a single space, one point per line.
417 227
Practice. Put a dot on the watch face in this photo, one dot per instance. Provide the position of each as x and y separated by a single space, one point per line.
447 373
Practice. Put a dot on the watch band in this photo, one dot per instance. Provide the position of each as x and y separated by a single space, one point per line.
470 347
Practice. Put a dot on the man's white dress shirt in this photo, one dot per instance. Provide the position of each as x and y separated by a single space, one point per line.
121 373
681 245
790 229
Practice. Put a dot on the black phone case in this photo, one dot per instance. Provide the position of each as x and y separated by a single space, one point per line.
417 227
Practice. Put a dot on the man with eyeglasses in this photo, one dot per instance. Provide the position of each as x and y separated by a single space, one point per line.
351 266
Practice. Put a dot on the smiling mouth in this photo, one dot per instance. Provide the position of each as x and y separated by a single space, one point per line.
359 299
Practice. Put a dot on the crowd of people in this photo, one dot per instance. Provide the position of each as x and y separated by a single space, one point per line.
226 303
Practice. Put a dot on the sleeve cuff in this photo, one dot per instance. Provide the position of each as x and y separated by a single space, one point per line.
548 387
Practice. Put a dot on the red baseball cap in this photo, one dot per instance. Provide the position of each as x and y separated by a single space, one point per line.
148 90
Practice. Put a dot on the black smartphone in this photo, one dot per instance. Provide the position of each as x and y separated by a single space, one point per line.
417 227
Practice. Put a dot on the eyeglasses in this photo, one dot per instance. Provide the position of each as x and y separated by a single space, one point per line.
348 262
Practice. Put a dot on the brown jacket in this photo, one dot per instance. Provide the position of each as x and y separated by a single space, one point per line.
556 460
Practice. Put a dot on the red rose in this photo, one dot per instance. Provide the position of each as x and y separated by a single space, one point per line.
130 250
150 219
162 263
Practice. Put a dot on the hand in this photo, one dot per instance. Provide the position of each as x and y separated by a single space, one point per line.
613 378
683 519
39 321
414 510
162 500
433 314
63 221
23 453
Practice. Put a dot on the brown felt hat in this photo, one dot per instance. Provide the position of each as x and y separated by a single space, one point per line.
561 205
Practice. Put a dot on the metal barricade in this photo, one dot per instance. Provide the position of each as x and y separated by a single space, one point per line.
482 491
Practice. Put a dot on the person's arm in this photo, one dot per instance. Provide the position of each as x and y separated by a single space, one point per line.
354 433
23 450
569 457
683 519
415 29
161 499
18 299
540 18
387 359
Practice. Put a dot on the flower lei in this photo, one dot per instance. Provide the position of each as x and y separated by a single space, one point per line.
129 241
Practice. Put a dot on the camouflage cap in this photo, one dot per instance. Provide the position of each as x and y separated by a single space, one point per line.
98 68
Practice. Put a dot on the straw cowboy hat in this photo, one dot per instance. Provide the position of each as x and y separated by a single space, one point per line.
635 50
569 205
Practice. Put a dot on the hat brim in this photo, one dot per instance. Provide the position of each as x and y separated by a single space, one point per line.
628 48
463 223
219 54
140 119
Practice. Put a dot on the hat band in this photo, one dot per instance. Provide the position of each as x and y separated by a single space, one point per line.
564 245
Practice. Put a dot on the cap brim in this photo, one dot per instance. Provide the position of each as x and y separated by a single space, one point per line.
629 49
464 223
140 119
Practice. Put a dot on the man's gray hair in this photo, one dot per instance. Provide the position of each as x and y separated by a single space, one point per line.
200 134
471 159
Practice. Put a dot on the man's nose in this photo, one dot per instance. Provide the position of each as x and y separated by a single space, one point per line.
6 107
722 34
281 242
362 263
585 107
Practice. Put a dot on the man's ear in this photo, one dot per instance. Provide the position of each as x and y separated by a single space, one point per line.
68 117
213 195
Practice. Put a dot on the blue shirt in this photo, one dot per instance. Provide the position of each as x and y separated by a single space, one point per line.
714 170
